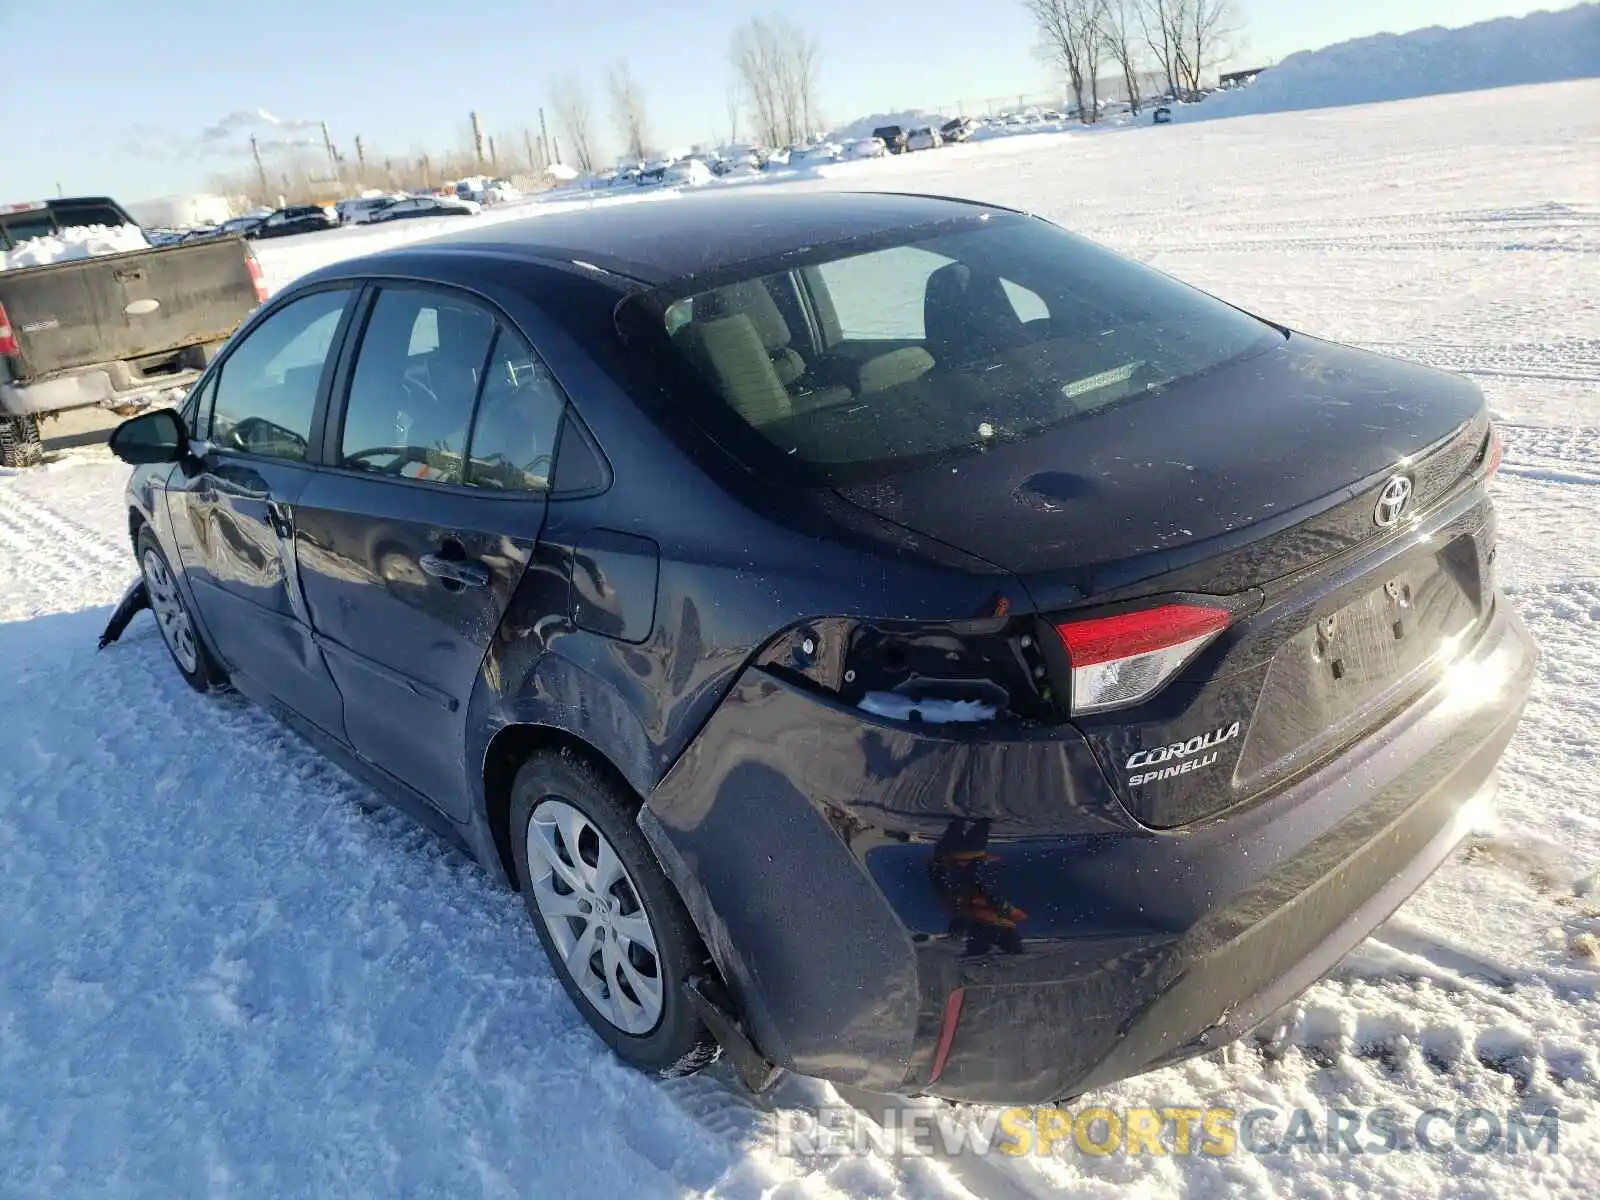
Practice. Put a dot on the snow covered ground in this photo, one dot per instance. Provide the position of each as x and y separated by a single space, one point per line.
220 973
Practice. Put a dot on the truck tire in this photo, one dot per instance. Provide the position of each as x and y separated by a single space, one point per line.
20 445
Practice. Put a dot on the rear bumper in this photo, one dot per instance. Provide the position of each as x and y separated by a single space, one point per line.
850 875
108 385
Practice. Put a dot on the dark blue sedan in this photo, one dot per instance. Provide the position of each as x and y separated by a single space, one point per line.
882 637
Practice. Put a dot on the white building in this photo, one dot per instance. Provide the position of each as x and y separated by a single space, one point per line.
181 212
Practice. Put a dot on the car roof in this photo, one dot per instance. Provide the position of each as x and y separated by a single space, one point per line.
659 242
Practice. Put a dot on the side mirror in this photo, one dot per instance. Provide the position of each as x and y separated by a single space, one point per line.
152 437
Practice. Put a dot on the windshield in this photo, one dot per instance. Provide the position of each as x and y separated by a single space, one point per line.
855 365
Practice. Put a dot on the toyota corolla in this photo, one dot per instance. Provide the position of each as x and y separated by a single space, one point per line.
889 638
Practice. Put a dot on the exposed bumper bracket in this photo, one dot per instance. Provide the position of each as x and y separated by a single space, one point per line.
755 1072
133 601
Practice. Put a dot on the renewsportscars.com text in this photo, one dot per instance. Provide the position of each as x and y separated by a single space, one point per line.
1178 1130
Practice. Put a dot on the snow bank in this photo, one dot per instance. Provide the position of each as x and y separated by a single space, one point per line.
88 241
1543 47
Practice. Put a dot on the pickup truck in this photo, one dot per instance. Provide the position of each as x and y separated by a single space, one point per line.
118 330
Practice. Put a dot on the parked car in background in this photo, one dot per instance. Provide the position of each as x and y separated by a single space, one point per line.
909 677
425 206
112 330
239 226
359 210
893 138
958 130
297 218
924 139
869 147
502 191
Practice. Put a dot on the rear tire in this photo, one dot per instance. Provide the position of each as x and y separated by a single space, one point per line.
189 653
605 905
20 443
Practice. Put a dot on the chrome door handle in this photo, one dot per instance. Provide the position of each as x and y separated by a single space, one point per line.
453 570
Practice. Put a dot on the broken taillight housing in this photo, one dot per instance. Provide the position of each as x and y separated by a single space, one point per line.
1124 659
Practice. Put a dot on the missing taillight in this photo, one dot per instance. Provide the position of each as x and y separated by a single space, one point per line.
934 673
1127 658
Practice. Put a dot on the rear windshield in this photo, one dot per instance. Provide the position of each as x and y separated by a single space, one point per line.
852 366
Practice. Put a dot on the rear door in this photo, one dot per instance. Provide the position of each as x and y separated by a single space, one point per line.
415 535
233 520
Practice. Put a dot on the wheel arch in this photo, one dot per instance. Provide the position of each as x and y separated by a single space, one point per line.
513 745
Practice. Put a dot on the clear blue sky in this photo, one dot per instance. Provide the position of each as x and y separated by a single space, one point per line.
104 96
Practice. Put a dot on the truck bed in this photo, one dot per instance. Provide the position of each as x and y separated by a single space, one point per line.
121 308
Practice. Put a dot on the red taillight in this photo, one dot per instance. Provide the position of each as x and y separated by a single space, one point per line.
947 1033
256 277
8 337
1496 451
1121 660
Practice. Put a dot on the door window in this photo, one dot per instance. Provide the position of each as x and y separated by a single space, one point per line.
266 396
416 378
519 414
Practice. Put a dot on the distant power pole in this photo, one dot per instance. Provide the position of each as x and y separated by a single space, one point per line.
427 173
477 138
527 144
333 158
544 140
494 162
361 156
261 172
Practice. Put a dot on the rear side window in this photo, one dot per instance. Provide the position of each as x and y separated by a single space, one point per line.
24 227
416 379
73 216
519 416
940 346
266 395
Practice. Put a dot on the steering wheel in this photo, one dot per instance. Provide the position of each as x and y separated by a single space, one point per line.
403 456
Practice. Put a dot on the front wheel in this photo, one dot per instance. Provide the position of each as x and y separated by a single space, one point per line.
189 653
614 929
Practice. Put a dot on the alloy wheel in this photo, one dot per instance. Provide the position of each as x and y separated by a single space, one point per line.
171 615
593 911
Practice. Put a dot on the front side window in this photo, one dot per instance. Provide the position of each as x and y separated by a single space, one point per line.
416 379
266 394
946 344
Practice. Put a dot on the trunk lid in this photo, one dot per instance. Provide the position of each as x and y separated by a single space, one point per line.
1259 482
123 307
1249 473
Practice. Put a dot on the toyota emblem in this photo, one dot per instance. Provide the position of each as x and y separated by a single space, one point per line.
1392 501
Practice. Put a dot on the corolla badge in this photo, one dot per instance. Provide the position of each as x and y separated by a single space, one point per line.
1392 501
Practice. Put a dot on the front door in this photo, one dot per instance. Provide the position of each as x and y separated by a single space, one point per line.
413 539
233 519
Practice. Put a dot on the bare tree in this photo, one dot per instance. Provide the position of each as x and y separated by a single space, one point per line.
1211 29
777 64
569 98
1121 36
1069 37
1188 38
627 107
1161 22
734 102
